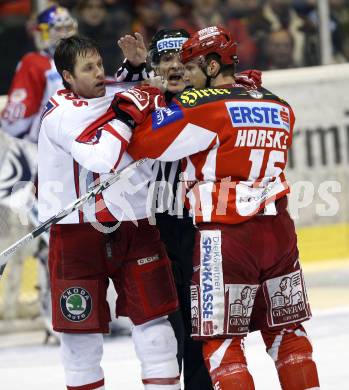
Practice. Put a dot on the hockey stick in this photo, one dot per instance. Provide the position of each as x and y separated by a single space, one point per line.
4 256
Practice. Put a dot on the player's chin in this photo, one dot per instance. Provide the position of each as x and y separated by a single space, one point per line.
175 86
100 90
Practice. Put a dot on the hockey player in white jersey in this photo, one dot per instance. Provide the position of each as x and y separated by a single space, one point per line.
36 77
85 249
34 81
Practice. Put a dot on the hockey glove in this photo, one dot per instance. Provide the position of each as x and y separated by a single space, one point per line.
251 79
134 105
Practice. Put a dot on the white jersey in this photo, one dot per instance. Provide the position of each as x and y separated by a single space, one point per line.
67 169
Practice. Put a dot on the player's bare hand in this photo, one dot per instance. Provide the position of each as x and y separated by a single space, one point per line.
133 48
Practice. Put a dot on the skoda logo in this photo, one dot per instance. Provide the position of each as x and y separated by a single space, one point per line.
76 304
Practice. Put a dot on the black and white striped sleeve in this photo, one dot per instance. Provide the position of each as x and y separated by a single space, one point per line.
129 73
168 189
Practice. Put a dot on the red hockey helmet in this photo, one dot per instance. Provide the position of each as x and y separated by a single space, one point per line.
211 40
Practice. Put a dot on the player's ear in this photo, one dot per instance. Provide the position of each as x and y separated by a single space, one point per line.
212 68
156 69
68 77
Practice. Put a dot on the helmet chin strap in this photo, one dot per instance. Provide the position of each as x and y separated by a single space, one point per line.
208 81
208 77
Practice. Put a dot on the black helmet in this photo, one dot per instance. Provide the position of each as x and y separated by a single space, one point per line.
166 40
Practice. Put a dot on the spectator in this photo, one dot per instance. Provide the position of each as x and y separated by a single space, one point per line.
15 41
105 28
238 13
281 15
279 48
303 7
172 10
205 13
19 8
242 8
69 4
148 18
339 18
120 5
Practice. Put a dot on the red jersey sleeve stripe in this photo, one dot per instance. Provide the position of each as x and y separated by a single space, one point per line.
91 130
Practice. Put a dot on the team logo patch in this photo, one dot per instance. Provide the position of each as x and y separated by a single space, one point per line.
166 115
287 300
95 139
240 304
18 95
208 32
76 304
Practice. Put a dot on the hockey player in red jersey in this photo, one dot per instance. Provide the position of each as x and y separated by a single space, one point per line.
247 274
176 228
175 225
36 78
82 258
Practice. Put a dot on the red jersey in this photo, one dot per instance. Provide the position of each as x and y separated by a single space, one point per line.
35 81
237 143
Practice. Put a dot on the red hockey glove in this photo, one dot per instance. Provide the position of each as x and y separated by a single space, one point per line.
251 78
135 104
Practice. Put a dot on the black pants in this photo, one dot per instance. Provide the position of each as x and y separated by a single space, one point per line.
178 236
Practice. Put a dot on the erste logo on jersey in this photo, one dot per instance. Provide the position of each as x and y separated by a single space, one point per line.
165 115
76 304
259 114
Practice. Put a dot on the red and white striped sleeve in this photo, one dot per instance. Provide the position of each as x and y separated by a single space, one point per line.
101 150
170 134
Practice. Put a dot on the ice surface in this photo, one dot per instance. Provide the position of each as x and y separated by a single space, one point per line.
37 367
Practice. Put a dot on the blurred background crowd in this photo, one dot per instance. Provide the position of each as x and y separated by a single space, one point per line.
272 34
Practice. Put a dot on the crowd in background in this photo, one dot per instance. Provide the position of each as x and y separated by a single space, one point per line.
272 34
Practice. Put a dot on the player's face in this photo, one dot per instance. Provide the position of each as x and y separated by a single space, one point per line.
88 79
62 31
194 75
171 70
